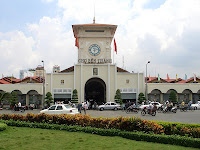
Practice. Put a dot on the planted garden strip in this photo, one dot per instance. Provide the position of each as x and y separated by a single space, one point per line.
121 123
139 136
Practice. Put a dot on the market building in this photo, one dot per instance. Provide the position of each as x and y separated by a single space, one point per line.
95 76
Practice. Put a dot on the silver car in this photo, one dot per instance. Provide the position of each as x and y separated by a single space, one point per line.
109 106
196 105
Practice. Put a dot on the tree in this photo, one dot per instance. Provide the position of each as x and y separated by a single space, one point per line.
75 96
173 97
141 98
13 98
118 97
48 99
3 96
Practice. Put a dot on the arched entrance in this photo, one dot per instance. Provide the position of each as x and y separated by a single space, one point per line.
34 98
95 90
154 95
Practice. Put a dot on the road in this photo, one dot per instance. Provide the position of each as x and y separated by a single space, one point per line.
183 117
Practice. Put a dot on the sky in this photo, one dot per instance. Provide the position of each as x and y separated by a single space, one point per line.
164 32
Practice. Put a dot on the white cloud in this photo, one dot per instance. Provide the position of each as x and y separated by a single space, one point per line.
16 52
166 35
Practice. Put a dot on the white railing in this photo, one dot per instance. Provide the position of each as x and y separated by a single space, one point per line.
128 90
63 91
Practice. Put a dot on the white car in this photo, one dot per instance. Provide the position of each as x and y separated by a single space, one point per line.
109 105
156 103
196 105
60 109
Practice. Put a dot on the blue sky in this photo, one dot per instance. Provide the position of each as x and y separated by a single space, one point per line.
15 14
166 32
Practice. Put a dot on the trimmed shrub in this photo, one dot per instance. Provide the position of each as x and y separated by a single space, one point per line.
3 126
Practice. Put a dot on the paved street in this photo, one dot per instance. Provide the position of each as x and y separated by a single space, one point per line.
183 117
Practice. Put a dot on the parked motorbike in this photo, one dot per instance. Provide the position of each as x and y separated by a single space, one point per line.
148 111
167 109
132 109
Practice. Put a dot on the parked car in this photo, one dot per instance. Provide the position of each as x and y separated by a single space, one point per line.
153 103
196 105
109 106
60 109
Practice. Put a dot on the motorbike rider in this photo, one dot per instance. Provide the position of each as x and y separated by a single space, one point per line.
150 108
169 106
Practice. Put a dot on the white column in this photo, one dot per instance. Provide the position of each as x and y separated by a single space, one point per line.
82 100
115 77
138 87
108 82
143 84
27 99
52 85
74 76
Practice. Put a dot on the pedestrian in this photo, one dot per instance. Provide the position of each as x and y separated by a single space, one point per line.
95 105
79 107
85 107
19 105
189 105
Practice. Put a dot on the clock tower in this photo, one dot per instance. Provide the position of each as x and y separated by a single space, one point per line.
94 42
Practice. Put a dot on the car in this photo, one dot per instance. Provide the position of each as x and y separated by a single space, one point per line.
153 103
60 109
109 106
196 105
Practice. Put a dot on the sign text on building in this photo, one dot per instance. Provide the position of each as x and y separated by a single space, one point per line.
95 61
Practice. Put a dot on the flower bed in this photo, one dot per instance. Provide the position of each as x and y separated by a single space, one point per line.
121 123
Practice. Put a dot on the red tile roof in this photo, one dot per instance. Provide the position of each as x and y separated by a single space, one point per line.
7 80
4 82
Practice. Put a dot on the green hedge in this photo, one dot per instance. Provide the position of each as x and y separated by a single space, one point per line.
121 123
3 126
138 136
181 128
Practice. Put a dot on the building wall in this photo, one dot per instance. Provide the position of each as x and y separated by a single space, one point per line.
84 72
179 87
24 88
53 81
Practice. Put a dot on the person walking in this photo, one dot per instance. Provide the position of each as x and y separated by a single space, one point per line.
85 107
79 107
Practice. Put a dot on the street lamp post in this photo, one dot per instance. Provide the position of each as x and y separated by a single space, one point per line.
146 80
43 87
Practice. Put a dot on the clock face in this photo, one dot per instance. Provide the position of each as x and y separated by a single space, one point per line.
94 49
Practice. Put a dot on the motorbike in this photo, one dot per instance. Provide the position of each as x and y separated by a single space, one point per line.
148 111
166 109
21 109
132 109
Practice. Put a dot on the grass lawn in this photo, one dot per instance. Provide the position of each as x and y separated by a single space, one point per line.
21 138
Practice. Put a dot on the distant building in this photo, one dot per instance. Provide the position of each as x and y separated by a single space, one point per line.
56 69
39 71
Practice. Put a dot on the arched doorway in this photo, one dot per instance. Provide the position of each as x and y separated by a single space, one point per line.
95 90
166 95
154 95
34 98
21 97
